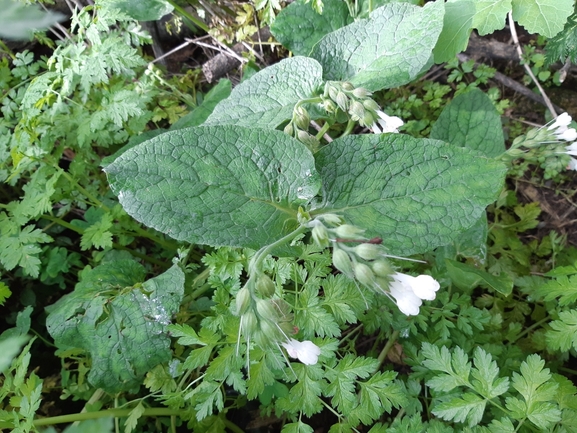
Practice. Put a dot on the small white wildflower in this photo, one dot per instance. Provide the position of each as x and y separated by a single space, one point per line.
387 123
306 351
409 291
567 135
561 121
572 149
572 164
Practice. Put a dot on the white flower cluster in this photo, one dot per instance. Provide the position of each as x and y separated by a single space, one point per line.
560 128
409 292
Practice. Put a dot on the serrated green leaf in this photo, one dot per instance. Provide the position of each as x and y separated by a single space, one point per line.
267 99
504 425
485 375
199 115
312 318
471 120
297 427
133 417
490 15
144 10
5 293
563 333
304 396
416 194
467 408
387 50
298 29
546 17
19 21
562 287
501 283
217 185
379 394
119 321
457 26
98 235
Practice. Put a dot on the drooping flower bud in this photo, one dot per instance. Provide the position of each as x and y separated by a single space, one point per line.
289 130
320 235
371 105
242 301
361 93
342 101
364 274
356 110
382 268
342 262
265 286
329 105
348 231
368 251
266 310
248 323
347 86
302 118
307 139
331 218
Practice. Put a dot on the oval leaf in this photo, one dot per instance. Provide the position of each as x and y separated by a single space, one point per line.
144 10
267 99
416 194
387 50
471 120
217 185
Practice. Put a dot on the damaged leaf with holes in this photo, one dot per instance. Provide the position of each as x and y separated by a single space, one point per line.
119 320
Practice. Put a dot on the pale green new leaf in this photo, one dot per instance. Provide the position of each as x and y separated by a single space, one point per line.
217 185
298 29
120 321
297 427
144 10
490 15
267 99
416 194
468 408
18 21
563 333
9 348
387 50
485 376
98 234
504 425
471 120
546 17
457 24
379 394
133 417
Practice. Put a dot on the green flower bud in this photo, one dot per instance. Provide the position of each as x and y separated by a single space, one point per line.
342 262
302 118
364 274
367 120
347 86
356 110
265 286
329 105
348 231
342 101
320 235
371 105
331 218
242 301
382 268
307 139
361 93
248 323
266 310
270 331
368 251
289 130
333 92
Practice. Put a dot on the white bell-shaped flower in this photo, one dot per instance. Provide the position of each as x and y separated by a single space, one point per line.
572 149
409 291
387 123
305 351
561 121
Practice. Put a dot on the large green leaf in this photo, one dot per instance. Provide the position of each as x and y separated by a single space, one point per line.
546 17
298 27
118 320
217 185
417 194
491 15
472 121
387 50
144 10
457 25
267 99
